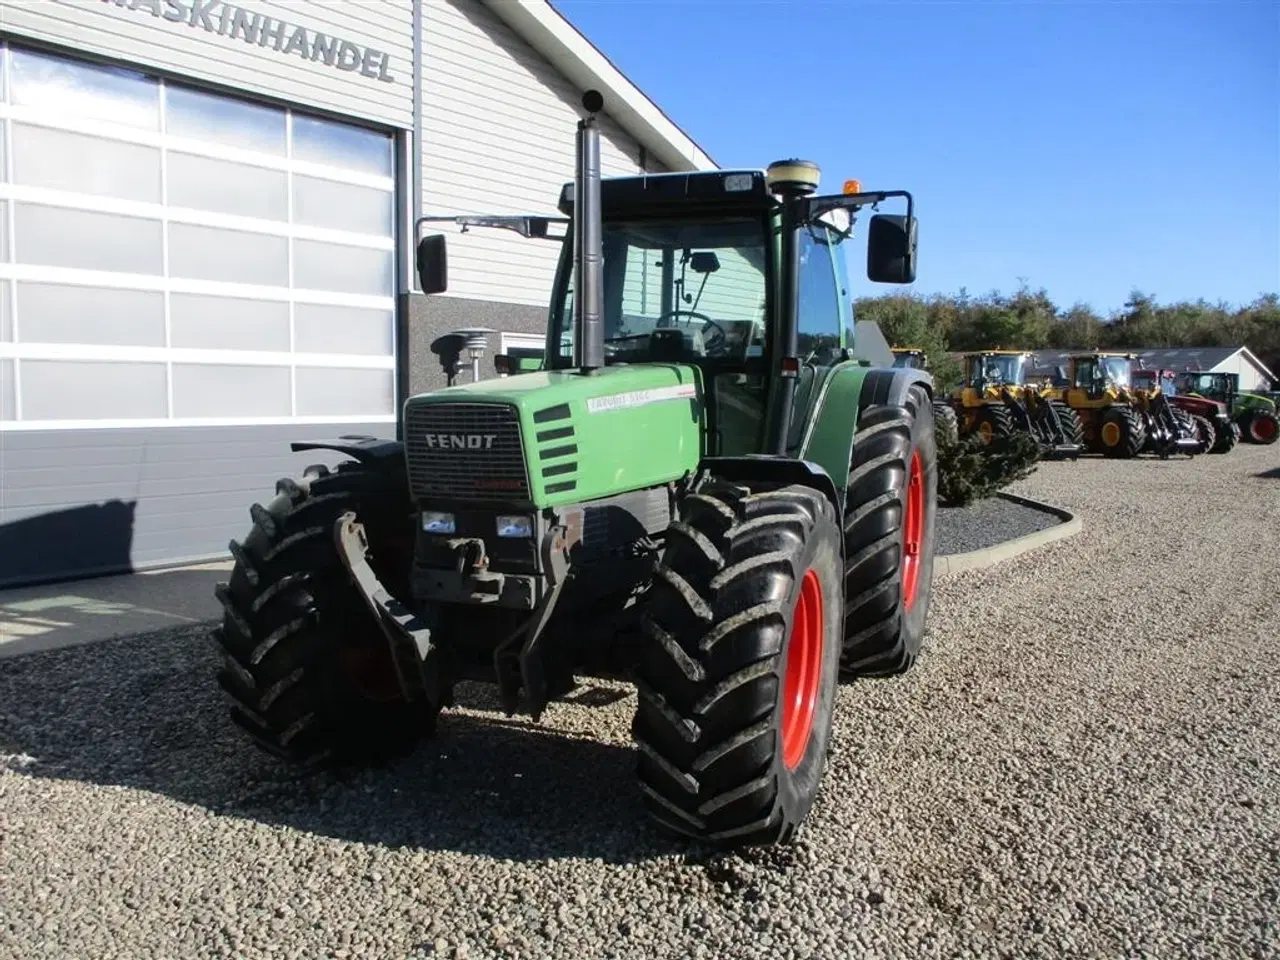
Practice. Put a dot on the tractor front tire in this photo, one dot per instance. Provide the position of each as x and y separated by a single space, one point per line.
737 679
1121 434
1262 426
1072 427
945 421
1205 430
306 668
993 424
890 512
1227 436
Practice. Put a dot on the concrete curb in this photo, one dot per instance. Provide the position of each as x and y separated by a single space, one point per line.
990 556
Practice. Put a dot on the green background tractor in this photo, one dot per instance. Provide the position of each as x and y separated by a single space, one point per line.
701 490
1254 413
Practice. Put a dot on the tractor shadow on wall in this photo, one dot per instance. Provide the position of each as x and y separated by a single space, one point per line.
144 712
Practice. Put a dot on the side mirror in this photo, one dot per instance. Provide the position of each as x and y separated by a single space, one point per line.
433 264
891 249
705 261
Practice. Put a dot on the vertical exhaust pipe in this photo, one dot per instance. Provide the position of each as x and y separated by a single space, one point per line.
588 262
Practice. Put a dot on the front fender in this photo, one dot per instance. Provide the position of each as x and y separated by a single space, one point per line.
847 393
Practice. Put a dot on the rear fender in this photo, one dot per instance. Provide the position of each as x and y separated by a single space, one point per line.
846 394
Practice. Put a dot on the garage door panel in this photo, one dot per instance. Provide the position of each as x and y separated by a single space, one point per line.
224 186
324 328
227 391
331 204
200 115
230 256
7 394
69 313
342 269
61 160
92 390
88 240
228 323
66 87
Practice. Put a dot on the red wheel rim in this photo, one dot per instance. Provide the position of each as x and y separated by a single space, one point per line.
1264 428
801 684
912 532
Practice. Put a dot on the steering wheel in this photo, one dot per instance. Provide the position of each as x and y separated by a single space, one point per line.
718 338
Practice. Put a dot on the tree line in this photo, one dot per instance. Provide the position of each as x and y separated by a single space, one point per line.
1031 320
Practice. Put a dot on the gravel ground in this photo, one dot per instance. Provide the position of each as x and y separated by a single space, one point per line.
986 523
1085 763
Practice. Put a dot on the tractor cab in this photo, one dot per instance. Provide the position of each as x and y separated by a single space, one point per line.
1150 381
1102 376
994 369
910 358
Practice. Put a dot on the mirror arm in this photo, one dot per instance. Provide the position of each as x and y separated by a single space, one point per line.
522 224
817 206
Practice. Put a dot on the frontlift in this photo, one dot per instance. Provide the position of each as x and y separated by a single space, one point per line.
733 515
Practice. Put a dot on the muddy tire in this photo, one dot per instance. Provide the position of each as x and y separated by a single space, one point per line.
1206 431
1227 436
1072 427
946 423
890 512
1121 433
737 679
306 669
993 424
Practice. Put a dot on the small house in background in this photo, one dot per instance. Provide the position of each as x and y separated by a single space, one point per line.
1254 374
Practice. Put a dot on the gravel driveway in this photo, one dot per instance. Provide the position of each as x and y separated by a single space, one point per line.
1086 763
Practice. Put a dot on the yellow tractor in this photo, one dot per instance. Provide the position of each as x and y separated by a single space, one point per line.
1121 419
995 400
945 421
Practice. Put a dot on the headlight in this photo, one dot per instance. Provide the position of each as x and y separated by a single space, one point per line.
515 526
434 521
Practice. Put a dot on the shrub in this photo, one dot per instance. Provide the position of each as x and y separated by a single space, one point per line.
969 471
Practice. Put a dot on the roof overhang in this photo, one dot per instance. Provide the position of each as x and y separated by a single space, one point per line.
1253 358
549 33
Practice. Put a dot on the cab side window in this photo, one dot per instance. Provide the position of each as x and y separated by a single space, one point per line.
819 315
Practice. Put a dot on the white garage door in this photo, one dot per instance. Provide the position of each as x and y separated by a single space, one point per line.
171 257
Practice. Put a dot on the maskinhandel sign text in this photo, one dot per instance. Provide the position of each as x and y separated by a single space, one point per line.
258 29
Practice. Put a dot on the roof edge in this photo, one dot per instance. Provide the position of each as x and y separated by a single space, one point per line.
1253 358
551 34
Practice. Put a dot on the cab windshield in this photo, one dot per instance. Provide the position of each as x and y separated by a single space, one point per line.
1115 370
1004 368
702 283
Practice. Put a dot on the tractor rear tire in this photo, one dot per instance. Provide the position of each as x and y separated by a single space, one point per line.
306 668
1206 431
1072 427
1227 438
1129 437
1262 426
890 511
737 679
945 421
993 424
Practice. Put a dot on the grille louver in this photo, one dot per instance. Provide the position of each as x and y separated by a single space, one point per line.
465 451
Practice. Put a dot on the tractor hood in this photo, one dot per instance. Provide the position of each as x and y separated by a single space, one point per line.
555 437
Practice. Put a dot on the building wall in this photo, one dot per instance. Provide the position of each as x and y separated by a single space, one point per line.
1251 378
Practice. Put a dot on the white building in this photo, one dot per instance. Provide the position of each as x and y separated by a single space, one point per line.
206 232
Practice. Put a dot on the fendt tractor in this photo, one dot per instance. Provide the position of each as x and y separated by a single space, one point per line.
995 399
708 496
945 420
1254 413
1219 433
1119 419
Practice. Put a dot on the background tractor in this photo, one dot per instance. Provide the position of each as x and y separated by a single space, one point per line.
1119 419
913 358
995 400
1252 412
708 495
1216 428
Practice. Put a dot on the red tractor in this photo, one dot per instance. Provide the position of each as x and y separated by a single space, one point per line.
1218 431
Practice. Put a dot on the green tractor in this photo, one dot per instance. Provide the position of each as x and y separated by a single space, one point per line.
701 492
1254 413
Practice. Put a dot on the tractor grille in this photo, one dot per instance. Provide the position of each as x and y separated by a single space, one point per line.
465 451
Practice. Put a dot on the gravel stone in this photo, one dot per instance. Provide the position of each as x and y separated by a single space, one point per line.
986 523
1085 763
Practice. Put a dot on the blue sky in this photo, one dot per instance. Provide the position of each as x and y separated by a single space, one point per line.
1087 147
